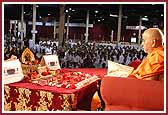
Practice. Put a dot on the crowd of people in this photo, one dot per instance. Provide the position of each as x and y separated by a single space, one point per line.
78 54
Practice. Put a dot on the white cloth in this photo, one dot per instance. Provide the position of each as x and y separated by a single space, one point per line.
121 59
31 44
48 51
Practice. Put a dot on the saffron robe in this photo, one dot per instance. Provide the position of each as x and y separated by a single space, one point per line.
152 65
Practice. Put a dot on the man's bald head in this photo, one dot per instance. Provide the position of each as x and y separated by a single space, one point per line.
154 34
152 38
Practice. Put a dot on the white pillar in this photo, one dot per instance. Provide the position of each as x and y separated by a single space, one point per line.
54 29
67 29
15 22
22 28
87 27
112 34
119 23
10 29
34 23
139 32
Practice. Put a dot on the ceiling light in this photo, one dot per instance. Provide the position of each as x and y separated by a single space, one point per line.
145 19
49 14
66 11
98 20
113 15
145 16
96 11
161 15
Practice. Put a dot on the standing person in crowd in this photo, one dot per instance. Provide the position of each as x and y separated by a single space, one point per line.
31 44
152 67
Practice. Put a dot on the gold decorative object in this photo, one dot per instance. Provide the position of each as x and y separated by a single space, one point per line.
27 56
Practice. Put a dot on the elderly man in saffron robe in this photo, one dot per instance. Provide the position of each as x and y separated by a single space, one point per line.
152 67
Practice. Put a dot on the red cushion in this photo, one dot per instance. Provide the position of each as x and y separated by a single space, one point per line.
135 63
147 94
